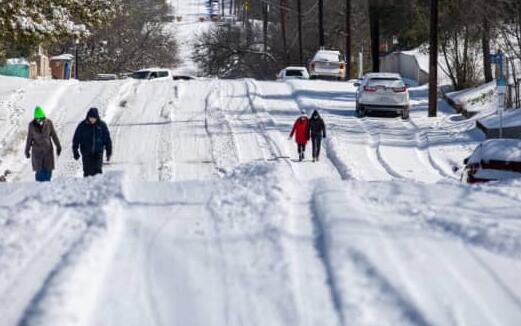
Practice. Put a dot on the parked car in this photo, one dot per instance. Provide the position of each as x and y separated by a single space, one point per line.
493 160
327 64
215 9
106 77
382 92
293 73
152 73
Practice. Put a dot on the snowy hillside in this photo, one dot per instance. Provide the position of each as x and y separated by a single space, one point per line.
206 218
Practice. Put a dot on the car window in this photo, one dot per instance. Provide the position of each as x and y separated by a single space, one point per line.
331 57
162 74
140 75
153 75
294 73
476 156
385 82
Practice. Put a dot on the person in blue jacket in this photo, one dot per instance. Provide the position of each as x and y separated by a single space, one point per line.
91 138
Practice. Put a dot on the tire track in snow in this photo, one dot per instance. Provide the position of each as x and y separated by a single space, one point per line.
224 146
275 150
321 243
404 142
374 141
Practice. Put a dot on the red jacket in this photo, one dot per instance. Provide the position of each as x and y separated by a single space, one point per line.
301 131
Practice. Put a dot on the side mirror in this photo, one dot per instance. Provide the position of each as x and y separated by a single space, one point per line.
466 161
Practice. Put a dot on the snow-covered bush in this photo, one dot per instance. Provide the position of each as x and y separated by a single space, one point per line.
33 22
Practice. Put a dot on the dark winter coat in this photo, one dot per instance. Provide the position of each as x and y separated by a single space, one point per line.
317 127
92 139
301 130
39 145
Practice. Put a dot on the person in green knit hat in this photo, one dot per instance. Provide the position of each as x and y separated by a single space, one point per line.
39 145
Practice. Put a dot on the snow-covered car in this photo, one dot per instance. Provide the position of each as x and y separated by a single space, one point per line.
152 73
494 160
382 92
293 73
327 64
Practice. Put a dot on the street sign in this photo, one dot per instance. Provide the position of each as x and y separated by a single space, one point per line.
499 59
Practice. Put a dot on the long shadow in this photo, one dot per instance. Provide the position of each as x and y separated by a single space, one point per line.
315 95
159 123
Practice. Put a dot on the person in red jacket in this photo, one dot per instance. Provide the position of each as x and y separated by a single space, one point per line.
301 132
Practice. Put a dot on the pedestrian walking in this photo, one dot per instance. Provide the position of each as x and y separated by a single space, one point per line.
91 138
301 132
39 145
317 131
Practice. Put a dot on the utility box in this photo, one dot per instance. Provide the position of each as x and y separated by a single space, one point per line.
62 66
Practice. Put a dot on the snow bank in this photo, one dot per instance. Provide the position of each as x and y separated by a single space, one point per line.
482 99
511 119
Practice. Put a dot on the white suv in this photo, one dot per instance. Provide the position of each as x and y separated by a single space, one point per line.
382 92
152 73
328 63
293 73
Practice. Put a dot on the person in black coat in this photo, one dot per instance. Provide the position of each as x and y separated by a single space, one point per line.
92 136
317 131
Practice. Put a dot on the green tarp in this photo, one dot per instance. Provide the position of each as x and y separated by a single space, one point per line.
18 70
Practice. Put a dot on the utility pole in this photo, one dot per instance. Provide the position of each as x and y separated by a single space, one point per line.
283 6
348 39
301 49
265 9
322 40
433 61
76 59
374 21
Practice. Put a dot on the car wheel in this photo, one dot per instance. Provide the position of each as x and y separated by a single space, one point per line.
360 111
405 114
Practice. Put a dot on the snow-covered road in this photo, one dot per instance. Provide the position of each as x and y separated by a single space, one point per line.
204 217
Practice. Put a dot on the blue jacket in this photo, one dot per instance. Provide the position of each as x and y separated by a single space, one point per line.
92 139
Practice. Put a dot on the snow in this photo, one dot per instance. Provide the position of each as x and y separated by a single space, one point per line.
17 61
511 118
504 150
205 217
421 56
481 99
65 56
187 31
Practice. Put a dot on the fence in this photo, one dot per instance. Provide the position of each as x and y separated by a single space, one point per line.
17 70
514 82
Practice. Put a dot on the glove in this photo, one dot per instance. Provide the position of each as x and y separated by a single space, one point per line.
108 158
58 151
28 155
76 155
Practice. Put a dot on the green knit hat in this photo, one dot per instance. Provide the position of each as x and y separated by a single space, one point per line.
38 112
